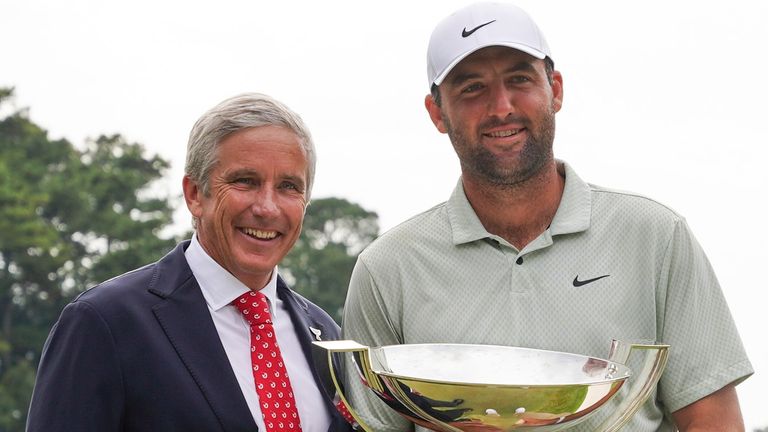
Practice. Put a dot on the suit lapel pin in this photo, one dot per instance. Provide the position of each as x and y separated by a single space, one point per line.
316 332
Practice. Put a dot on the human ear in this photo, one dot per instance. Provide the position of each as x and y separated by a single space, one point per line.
557 90
193 196
435 113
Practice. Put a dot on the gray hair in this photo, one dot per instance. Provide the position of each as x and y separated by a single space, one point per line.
248 110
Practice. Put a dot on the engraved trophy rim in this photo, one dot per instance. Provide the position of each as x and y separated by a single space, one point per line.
417 390
619 371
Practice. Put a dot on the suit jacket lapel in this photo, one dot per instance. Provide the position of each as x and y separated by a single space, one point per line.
187 323
305 324
308 328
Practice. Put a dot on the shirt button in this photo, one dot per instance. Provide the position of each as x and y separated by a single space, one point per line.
519 260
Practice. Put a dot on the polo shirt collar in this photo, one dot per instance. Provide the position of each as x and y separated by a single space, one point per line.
465 225
573 213
575 210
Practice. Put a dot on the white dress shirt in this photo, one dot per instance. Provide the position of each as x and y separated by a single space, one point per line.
220 288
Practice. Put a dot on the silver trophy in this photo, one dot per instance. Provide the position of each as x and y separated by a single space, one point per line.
462 387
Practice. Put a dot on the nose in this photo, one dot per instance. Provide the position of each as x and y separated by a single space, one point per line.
265 203
500 101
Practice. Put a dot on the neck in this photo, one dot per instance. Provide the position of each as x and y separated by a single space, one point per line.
518 213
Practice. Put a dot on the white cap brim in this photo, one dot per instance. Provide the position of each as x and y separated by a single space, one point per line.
520 47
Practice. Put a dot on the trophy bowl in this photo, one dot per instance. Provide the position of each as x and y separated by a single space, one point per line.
464 387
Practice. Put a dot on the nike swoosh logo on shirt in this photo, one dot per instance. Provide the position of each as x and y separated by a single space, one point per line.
578 283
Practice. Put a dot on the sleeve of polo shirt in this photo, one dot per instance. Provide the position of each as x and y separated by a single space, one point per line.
367 321
706 352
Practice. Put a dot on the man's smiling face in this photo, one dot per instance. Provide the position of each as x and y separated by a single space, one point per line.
498 107
254 210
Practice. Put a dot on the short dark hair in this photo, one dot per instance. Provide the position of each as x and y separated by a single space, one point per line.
549 69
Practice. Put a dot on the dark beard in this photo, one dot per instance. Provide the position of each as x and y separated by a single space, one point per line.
481 163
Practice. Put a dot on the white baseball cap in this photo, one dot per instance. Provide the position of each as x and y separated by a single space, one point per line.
478 26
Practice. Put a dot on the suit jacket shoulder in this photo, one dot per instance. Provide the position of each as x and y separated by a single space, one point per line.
138 352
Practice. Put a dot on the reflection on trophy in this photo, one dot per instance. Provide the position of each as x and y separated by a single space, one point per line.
463 387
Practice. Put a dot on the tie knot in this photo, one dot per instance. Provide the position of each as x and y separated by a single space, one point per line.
254 307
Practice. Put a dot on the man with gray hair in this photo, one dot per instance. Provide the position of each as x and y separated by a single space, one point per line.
209 338
525 253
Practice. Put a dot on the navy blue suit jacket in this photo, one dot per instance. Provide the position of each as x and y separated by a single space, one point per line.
140 352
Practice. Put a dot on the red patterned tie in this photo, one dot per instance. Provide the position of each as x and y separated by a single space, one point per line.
278 406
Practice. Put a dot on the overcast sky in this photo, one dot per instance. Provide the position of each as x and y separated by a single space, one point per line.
662 98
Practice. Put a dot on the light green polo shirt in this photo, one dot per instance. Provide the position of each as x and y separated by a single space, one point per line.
441 277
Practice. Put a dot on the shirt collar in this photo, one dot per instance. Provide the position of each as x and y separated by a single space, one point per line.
573 213
575 210
219 286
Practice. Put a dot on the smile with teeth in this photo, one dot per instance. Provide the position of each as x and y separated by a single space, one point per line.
259 234
504 133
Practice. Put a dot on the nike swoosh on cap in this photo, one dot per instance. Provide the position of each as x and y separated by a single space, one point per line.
465 33
578 283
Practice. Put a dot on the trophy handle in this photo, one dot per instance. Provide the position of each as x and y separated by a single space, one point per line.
349 346
373 382
655 361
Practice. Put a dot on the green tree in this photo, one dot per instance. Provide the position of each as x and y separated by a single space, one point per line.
69 218
319 265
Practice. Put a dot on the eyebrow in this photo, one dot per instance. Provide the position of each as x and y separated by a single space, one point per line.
241 172
522 66
247 172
